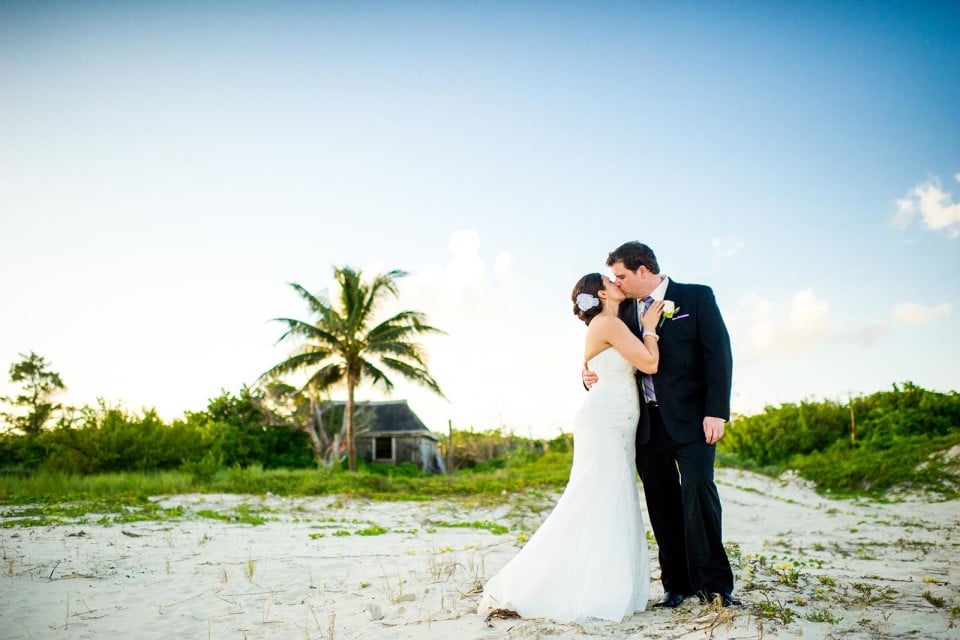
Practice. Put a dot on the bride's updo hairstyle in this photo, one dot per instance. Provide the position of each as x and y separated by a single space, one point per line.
584 307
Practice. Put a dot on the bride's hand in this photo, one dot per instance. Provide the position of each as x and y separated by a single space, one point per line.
650 319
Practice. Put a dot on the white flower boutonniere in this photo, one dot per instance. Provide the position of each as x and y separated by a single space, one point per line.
669 310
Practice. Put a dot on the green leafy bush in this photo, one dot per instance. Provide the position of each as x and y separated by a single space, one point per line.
870 444
235 430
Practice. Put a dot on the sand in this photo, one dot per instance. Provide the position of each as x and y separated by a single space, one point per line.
806 567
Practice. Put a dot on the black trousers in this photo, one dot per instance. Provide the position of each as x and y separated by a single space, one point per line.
685 511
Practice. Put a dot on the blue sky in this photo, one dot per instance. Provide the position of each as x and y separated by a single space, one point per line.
166 169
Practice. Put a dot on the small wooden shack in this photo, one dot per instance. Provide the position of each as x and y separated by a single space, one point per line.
392 433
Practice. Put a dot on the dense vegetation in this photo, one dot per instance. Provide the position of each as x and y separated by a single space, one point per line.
905 438
238 446
235 430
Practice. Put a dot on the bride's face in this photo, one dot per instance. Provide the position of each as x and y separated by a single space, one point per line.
614 293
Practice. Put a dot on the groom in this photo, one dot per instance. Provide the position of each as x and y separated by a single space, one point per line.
683 410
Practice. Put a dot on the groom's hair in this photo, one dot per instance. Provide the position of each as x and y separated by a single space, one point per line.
632 255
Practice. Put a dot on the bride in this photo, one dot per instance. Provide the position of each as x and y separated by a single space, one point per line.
588 561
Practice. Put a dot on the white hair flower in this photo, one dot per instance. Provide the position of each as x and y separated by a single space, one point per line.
585 301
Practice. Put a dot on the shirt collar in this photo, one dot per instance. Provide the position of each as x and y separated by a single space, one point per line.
660 292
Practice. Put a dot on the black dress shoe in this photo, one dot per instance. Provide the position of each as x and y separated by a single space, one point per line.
671 600
726 599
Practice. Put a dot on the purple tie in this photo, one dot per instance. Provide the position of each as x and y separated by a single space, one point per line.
648 391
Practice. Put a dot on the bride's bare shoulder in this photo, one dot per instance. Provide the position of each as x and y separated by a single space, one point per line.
605 323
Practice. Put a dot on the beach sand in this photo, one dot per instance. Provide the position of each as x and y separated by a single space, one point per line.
334 568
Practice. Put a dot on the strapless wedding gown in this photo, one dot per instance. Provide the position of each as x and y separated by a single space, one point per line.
588 561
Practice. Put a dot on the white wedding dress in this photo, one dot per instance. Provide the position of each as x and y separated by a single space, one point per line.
588 561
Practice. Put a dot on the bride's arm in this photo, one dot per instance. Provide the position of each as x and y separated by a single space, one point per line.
643 355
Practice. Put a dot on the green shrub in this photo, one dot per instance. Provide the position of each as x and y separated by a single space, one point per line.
868 445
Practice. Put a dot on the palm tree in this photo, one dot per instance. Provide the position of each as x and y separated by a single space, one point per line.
342 347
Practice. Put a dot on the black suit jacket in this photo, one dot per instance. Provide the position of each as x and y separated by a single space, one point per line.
694 377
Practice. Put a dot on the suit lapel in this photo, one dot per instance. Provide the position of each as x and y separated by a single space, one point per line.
628 313
674 292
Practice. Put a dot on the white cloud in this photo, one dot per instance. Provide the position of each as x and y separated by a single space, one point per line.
454 294
493 362
933 205
761 327
466 265
913 313
503 264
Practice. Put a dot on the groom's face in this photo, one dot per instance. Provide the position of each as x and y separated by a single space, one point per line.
635 284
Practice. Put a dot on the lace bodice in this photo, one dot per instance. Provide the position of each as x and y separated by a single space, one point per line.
609 363
613 403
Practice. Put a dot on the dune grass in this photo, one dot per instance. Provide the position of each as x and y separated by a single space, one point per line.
47 487
545 473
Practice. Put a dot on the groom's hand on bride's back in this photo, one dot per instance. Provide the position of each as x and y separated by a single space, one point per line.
589 377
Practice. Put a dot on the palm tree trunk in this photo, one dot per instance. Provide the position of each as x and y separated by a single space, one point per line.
313 428
351 445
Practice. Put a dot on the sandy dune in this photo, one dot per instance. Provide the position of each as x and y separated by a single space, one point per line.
327 567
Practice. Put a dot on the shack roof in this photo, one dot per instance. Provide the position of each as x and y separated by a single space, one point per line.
392 418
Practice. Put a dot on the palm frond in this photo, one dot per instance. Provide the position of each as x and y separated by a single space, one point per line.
316 304
386 282
414 319
415 374
352 296
405 350
376 375
326 376
306 330
296 363
328 315
393 334
405 323
377 290
408 315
